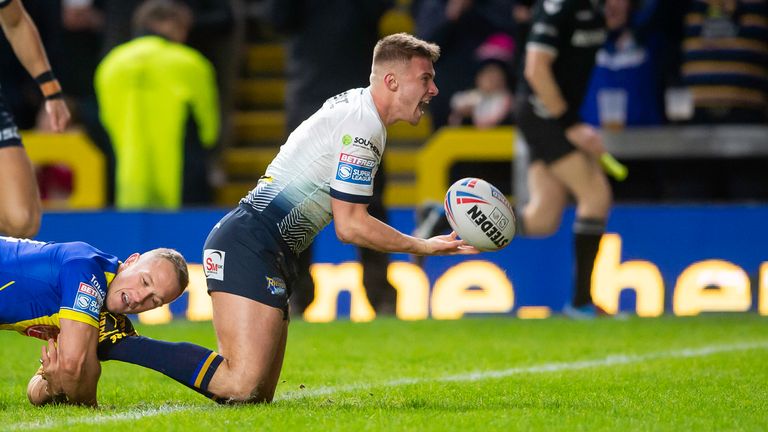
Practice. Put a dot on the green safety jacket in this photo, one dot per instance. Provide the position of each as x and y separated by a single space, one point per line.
147 89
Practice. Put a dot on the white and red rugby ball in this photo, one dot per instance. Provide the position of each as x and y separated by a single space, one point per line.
480 214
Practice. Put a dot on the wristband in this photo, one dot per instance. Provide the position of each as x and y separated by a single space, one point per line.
49 85
568 118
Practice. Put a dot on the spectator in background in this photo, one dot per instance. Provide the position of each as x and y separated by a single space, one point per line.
20 209
626 88
459 27
155 96
490 103
217 32
627 69
725 53
324 60
725 68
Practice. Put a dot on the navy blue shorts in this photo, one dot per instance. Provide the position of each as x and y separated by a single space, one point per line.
9 133
545 137
244 255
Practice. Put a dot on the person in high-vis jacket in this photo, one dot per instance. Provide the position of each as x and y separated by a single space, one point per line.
156 97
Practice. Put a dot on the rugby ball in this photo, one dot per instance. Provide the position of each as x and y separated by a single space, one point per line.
480 214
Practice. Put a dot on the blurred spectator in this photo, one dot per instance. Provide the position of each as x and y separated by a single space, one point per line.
324 60
725 73
490 103
725 58
625 88
157 96
459 27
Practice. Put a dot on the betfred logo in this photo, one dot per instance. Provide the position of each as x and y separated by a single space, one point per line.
354 160
87 289
213 264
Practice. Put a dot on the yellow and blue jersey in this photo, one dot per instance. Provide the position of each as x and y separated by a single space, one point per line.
41 283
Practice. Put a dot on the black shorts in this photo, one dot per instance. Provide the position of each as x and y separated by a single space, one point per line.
545 137
9 133
243 255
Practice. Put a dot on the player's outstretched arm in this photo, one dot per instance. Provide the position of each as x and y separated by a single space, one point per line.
71 367
354 225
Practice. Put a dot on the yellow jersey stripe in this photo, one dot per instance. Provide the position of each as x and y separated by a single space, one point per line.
78 316
22 326
204 369
7 285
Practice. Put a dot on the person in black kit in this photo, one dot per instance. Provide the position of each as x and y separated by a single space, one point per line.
564 151
316 73
20 207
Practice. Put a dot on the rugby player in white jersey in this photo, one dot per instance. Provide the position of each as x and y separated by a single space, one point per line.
324 171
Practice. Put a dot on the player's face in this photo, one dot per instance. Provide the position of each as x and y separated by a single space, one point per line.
416 87
141 285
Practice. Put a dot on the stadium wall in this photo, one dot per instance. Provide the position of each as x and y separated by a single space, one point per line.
681 260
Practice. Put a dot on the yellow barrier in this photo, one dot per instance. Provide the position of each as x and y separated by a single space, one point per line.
450 145
86 161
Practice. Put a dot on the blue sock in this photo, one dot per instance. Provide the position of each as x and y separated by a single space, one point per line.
189 364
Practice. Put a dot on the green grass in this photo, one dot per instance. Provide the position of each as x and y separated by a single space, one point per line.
704 373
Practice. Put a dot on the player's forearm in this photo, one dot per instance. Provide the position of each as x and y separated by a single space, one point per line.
79 383
544 85
372 233
82 393
25 41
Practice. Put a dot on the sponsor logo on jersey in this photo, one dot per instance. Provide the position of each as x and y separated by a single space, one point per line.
87 303
10 132
588 38
367 144
95 282
346 139
213 264
490 225
354 174
91 291
275 285
354 160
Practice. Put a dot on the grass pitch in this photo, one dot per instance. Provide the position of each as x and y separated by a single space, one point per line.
703 373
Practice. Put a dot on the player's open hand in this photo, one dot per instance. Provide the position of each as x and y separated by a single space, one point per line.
449 244
586 138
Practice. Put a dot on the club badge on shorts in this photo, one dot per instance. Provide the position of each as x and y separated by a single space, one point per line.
213 264
275 285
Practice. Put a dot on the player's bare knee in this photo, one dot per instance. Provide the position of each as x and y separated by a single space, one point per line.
243 392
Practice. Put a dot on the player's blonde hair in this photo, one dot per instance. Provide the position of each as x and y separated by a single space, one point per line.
178 262
403 47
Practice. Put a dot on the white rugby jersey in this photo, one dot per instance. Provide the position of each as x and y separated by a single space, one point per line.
334 153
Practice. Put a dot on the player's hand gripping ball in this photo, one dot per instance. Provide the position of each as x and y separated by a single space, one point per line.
480 214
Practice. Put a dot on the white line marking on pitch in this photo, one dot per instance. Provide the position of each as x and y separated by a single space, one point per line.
612 360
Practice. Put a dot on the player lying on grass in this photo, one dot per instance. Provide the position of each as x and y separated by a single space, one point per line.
56 291
324 171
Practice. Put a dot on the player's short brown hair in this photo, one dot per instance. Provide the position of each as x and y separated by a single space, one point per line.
403 47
